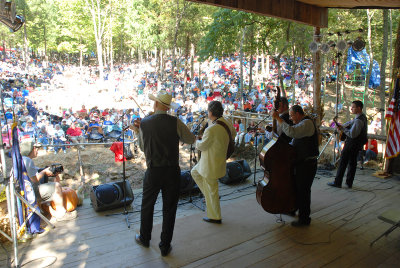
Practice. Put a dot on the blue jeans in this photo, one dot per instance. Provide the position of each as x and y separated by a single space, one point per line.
44 141
58 141
370 155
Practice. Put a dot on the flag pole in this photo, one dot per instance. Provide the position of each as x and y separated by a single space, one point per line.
10 191
389 124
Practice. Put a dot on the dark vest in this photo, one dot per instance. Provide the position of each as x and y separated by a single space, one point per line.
285 117
361 139
306 147
160 140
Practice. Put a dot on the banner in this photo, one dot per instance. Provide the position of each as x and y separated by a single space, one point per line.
362 58
26 186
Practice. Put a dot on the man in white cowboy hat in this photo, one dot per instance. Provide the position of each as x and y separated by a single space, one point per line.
159 137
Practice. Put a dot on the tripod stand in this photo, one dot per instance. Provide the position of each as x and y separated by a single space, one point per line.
125 212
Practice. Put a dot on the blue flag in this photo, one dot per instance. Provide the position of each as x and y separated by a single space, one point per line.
362 58
26 186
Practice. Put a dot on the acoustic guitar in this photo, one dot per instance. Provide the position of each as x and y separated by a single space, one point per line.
342 135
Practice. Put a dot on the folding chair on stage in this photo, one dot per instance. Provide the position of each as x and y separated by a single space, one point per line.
391 216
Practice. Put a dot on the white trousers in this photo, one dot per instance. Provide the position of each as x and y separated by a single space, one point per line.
209 188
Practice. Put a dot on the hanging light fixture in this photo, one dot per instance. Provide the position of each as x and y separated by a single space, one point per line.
358 45
8 16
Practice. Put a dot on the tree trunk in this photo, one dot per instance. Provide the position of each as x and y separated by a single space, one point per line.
192 51
293 80
186 64
383 68
45 42
263 65
371 60
318 108
111 40
4 48
396 60
200 81
241 68
178 17
251 72
26 55
390 46
256 67
80 58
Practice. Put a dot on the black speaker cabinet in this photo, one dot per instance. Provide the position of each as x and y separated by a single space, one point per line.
236 171
188 185
110 195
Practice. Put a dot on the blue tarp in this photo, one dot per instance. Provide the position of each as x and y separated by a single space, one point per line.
362 58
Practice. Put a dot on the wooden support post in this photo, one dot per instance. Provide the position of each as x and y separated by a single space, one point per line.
317 79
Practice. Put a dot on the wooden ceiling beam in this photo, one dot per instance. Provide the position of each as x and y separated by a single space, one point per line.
285 9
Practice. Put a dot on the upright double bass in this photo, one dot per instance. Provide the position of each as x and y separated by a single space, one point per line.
276 191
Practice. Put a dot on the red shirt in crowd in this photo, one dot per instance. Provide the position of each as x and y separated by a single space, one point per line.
117 149
236 126
74 132
374 144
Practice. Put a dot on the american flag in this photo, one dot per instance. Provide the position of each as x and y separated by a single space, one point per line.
393 117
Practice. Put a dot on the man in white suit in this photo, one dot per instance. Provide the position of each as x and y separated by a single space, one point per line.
212 165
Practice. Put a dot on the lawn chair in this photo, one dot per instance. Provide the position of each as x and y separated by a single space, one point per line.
391 216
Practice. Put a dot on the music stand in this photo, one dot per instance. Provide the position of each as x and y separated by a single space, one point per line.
125 212
192 151
256 147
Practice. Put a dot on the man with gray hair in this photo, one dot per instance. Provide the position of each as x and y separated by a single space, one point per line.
44 191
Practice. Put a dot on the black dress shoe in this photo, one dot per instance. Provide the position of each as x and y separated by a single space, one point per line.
141 242
165 250
333 184
300 223
211 220
349 185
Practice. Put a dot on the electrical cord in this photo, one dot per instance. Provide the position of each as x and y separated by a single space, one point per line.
346 220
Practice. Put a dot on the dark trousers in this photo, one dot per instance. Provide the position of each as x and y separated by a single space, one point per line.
304 177
166 179
347 159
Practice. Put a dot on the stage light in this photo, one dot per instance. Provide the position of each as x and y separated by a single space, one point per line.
341 45
358 45
8 16
323 47
313 46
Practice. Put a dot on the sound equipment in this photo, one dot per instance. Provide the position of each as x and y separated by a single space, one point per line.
358 45
187 183
111 195
9 17
236 171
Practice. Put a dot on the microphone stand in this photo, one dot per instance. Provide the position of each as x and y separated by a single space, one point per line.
192 151
256 147
125 212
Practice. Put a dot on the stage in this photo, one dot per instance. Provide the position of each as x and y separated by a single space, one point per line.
344 222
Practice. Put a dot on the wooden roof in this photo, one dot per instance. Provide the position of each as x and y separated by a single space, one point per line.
310 12
353 3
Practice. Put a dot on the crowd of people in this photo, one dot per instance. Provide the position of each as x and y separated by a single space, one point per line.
26 94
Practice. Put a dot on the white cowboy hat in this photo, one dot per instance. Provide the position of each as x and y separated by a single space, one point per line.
163 97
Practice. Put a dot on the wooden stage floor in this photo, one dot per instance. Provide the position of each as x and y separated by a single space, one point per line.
339 235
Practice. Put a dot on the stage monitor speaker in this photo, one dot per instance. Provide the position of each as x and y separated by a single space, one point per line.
111 195
236 171
187 183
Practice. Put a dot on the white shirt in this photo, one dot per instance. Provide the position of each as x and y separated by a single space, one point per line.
31 169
